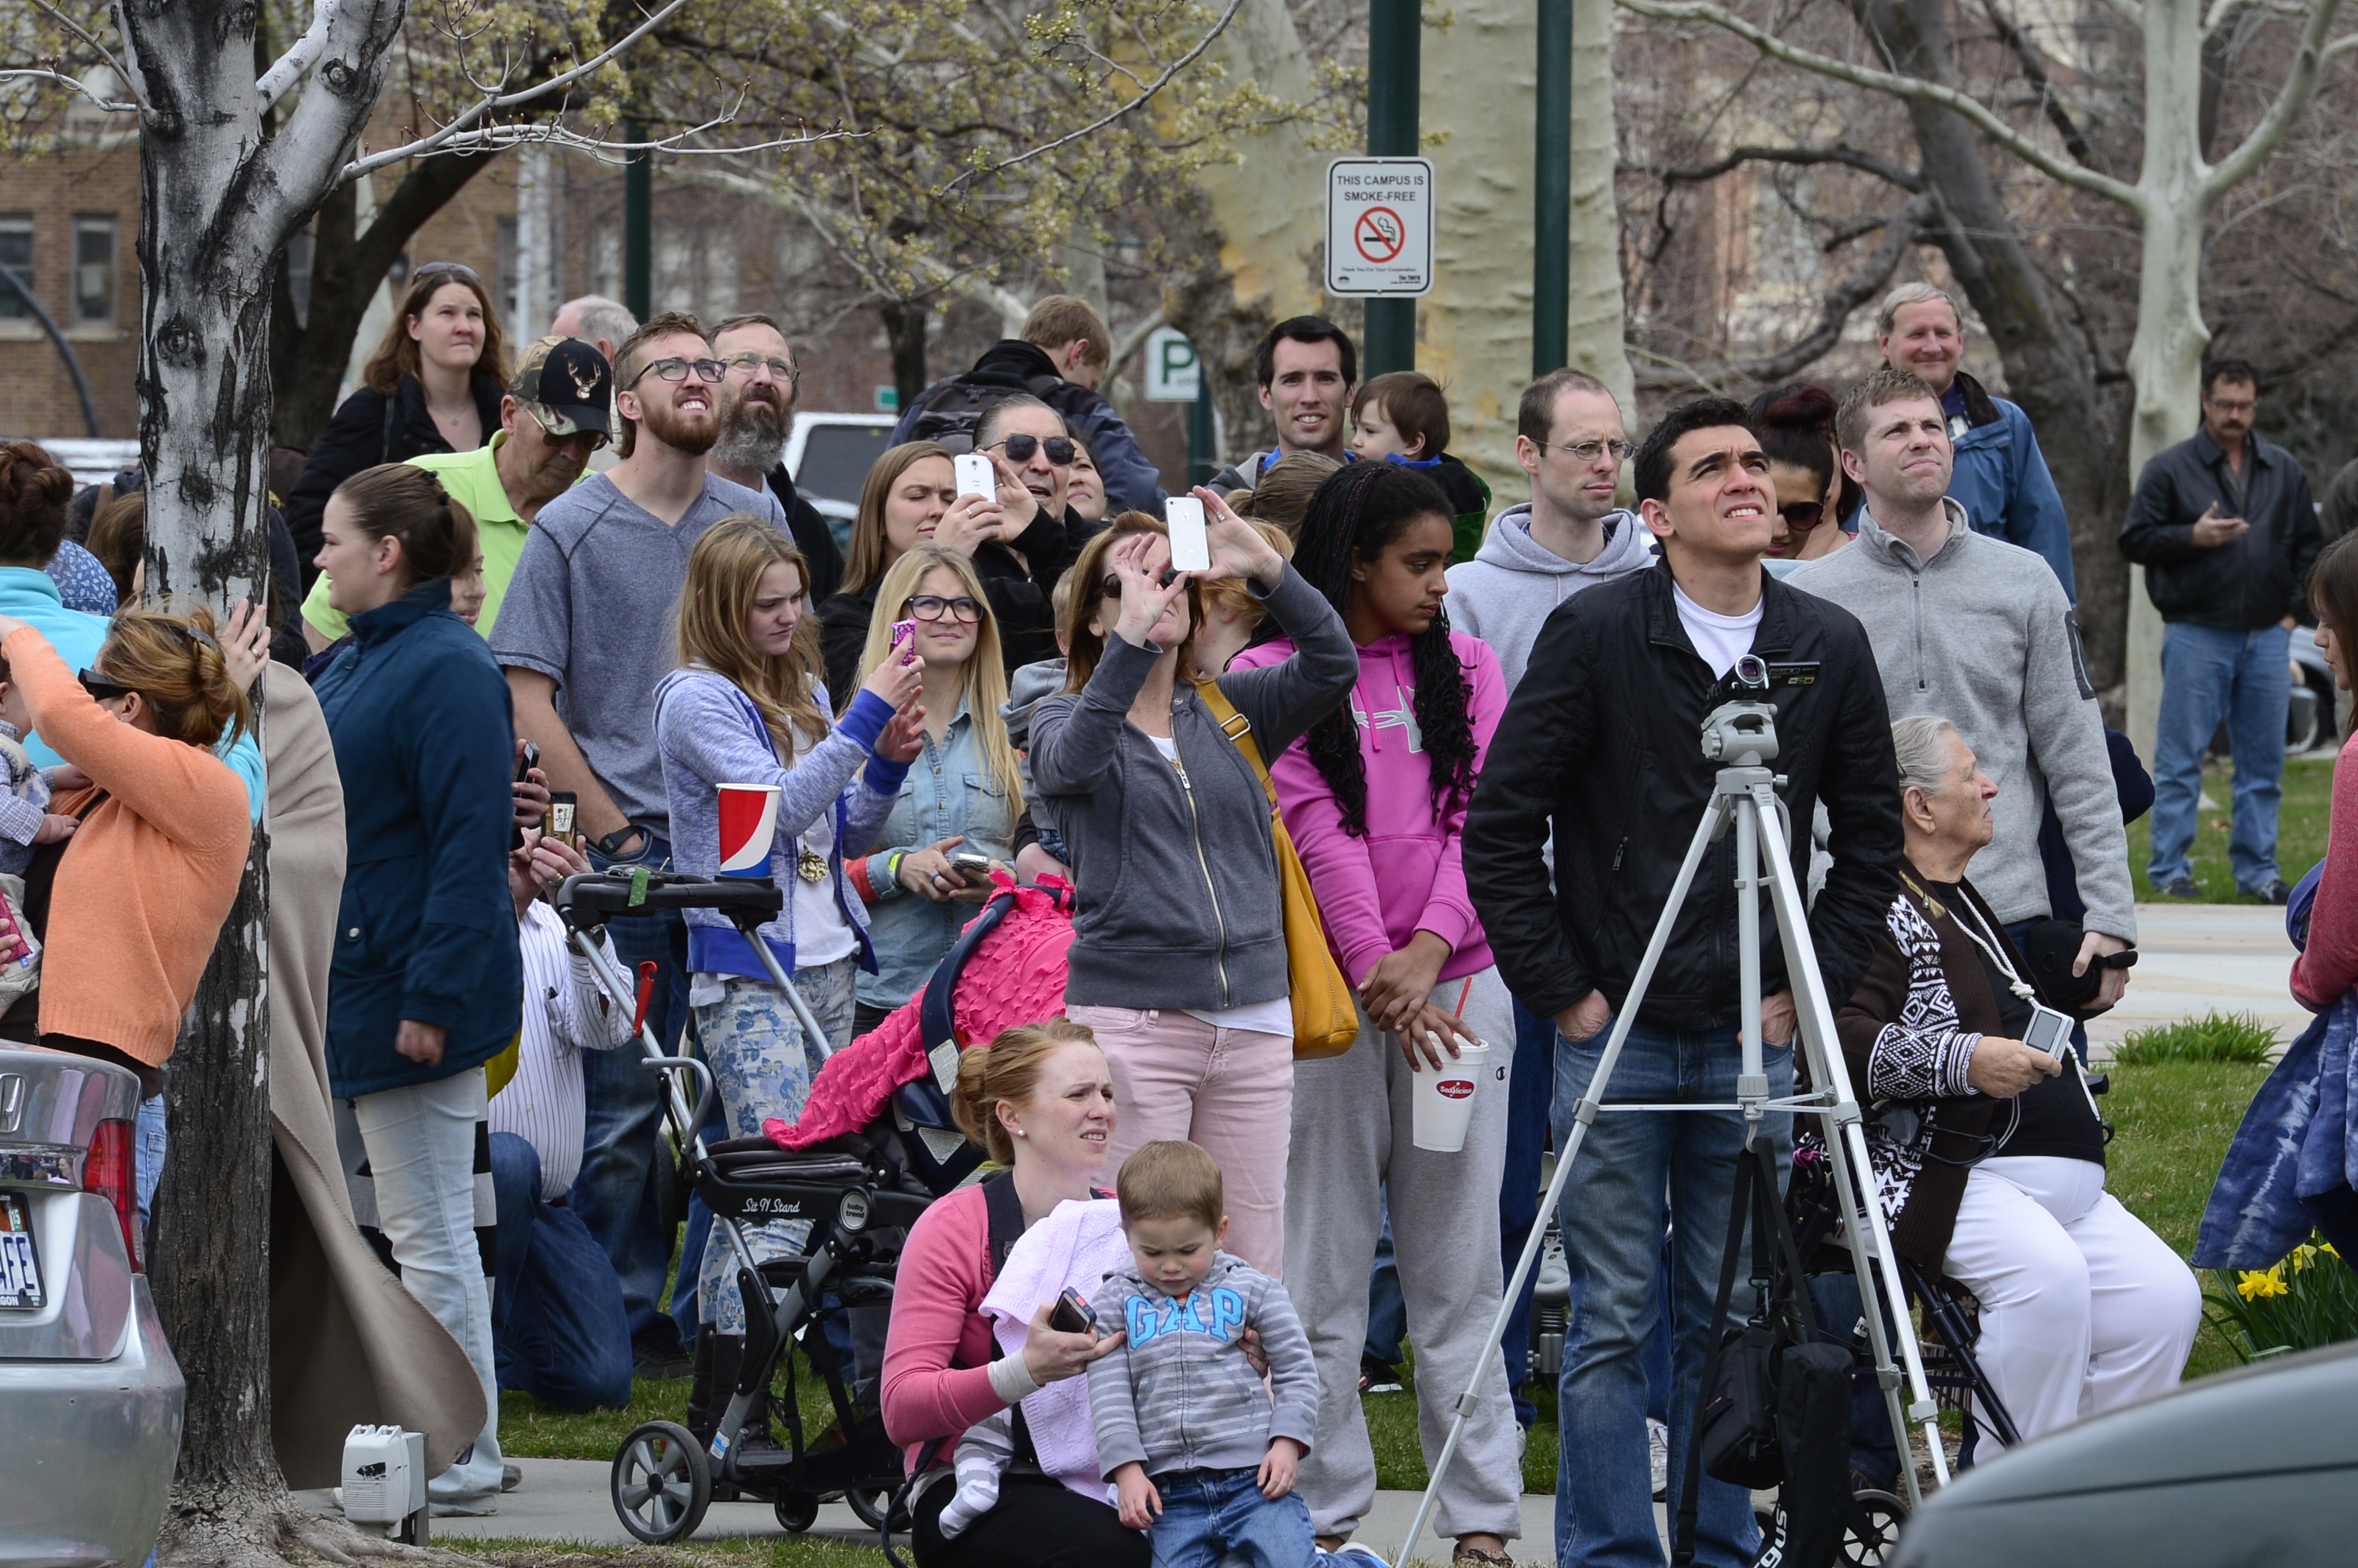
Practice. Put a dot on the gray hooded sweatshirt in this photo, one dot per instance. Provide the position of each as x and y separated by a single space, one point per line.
1982 635
1505 594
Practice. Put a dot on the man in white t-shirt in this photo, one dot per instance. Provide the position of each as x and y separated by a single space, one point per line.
1607 721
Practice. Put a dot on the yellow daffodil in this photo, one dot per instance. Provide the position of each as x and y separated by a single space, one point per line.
2257 1284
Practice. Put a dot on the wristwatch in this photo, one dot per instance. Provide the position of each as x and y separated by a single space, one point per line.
611 846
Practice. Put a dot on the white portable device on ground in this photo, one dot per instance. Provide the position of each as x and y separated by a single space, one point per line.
1191 548
975 475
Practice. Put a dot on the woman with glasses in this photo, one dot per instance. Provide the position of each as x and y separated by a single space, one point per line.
745 705
911 498
426 982
1795 426
962 795
433 385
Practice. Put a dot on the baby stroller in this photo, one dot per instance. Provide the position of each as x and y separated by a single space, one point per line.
860 1198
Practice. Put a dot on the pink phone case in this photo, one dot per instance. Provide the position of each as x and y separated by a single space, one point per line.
904 632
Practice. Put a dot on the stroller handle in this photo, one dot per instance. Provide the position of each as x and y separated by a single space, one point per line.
595 897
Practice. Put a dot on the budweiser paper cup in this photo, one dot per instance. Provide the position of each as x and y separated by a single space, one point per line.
749 822
1444 1100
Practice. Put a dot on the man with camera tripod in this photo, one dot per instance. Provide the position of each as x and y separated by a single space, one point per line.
1608 756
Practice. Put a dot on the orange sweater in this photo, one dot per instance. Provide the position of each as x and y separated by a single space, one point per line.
146 881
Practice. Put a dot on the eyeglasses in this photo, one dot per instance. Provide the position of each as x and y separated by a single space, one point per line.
677 369
1803 515
102 688
783 370
933 607
458 270
1589 451
1020 448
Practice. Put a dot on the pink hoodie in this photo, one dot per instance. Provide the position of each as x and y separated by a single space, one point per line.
1406 875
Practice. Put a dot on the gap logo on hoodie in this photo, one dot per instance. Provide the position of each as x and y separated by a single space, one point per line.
1218 1312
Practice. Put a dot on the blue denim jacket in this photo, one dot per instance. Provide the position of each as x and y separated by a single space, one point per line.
948 790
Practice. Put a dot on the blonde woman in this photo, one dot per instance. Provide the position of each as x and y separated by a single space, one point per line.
964 794
747 706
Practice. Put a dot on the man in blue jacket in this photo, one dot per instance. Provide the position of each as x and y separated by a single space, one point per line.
2001 480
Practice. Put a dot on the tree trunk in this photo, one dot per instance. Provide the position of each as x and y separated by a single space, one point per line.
1598 316
904 332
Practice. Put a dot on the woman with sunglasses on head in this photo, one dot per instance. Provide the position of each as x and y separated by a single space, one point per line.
1178 960
425 983
962 795
910 498
745 705
433 385
1796 428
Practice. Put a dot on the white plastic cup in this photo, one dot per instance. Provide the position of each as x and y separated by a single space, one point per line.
1443 1106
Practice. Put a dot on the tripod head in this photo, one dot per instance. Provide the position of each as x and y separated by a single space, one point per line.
1740 730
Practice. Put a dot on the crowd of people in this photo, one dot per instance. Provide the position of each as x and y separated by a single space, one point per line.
550 610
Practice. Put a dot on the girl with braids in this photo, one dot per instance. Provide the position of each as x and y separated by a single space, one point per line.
1178 961
1375 798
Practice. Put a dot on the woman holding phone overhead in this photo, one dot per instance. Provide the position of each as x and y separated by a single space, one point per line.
1178 962
746 707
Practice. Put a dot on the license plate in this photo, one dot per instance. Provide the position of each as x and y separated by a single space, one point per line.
20 1263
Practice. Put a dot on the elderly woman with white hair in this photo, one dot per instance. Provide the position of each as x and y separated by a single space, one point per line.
1988 1153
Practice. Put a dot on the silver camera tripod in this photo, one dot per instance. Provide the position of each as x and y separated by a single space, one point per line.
1740 734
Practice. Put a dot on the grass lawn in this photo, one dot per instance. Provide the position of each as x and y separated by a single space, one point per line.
2301 830
736 1551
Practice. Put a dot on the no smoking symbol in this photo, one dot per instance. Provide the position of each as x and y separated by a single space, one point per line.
1378 234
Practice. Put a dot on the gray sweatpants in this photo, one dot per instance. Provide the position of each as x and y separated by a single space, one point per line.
1351 1138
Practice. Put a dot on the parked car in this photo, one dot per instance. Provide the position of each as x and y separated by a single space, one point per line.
90 1398
2254 1466
829 455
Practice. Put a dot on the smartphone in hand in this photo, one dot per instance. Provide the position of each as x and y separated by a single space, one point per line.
1190 548
975 475
1072 1314
974 870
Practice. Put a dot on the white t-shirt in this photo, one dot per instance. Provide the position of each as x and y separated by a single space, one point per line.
822 931
1720 639
1273 1017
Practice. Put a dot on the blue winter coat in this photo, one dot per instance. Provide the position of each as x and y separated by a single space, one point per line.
2002 482
425 739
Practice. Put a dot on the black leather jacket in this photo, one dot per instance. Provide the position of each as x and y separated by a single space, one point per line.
2255 580
1601 746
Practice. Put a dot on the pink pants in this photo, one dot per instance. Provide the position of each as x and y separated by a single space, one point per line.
1229 1090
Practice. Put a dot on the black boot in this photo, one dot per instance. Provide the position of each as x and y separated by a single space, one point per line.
701 1415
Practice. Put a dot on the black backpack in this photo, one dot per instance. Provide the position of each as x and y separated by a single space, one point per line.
948 411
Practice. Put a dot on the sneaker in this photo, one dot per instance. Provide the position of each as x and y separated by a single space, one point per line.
510 1476
659 1356
1658 1457
2272 890
1377 1377
2182 887
1481 1557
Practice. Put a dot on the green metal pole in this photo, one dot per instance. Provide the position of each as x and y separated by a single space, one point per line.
1203 460
1394 43
638 226
1552 209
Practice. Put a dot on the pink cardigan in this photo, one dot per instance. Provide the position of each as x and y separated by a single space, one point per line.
2329 965
937 1318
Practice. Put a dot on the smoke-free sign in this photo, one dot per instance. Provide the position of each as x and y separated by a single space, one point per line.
1379 226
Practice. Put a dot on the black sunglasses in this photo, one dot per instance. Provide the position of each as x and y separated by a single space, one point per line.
98 687
1803 515
1020 448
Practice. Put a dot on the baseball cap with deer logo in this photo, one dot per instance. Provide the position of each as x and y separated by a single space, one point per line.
567 384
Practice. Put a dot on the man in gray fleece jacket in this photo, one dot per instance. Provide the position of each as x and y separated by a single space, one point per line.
1978 632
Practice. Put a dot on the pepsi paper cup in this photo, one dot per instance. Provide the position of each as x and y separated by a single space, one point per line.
749 824
1443 1105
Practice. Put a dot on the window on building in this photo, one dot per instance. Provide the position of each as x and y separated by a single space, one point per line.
94 270
16 255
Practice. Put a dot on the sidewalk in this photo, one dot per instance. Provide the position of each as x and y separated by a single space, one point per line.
2195 958
568 1499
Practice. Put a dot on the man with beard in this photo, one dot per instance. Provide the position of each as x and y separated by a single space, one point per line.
757 414
554 415
601 573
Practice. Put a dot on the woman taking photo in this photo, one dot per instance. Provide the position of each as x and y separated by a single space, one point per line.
746 707
433 385
425 983
1375 799
1041 1102
910 498
963 792
1178 963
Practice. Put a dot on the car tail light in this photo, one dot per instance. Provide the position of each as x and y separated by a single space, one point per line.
111 1171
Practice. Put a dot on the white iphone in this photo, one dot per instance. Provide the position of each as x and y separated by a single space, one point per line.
975 475
1191 548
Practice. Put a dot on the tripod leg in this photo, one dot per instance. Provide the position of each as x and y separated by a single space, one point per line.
1583 1114
1846 1153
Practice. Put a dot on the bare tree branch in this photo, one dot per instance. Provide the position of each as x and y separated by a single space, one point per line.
2034 70
291 67
1995 129
122 73
1907 180
72 85
2299 86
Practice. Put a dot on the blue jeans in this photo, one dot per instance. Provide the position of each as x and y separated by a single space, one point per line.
616 1194
148 1155
1209 1514
2244 677
1387 1309
558 1331
1636 1172
1530 1093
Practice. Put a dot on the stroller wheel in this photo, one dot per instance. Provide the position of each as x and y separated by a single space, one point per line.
1872 1529
661 1483
870 1506
796 1511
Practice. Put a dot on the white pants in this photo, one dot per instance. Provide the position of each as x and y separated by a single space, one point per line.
2083 1309
421 1150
